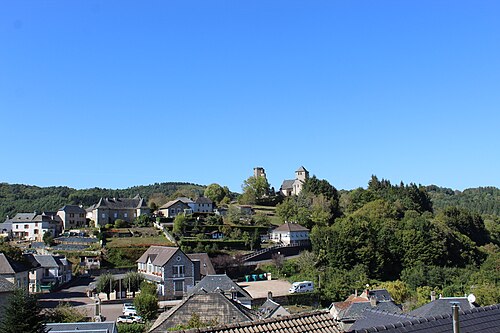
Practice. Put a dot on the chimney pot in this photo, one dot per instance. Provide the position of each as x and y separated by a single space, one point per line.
373 301
270 295
433 295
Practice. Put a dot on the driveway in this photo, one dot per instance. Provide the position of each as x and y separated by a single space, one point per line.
259 289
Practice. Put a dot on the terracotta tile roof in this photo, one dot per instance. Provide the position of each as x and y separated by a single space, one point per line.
308 322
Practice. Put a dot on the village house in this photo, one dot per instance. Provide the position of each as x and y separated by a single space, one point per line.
32 226
183 205
294 186
48 271
108 210
72 216
346 313
6 290
15 272
169 268
211 307
290 234
223 284
271 309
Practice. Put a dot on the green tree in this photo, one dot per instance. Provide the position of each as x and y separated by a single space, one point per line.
179 224
215 192
22 314
106 284
11 251
399 290
146 305
64 313
254 188
48 238
131 328
119 223
147 287
132 281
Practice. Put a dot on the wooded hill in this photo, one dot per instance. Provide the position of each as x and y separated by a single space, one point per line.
15 198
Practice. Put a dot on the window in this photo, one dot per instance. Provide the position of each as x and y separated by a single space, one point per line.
125 214
115 215
179 285
103 215
26 226
35 231
71 214
178 270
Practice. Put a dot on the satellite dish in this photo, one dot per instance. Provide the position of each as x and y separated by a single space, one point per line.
471 298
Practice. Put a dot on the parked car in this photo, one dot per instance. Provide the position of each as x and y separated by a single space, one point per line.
128 305
129 311
301 287
129 319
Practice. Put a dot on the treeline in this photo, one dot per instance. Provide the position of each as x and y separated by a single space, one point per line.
483 200
15 198
393 233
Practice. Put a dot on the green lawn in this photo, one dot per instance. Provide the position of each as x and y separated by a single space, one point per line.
137 241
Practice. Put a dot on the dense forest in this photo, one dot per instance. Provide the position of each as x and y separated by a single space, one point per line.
15 198
393 236
483 200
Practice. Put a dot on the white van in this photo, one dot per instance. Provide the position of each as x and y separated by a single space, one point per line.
301 287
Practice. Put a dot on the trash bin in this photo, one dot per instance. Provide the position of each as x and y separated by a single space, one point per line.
254 277
247 278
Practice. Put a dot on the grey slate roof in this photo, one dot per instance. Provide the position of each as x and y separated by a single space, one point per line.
306 322
356 310
6 286
121 203
441 306
268 308
173 202
159 255
10 266
209 306
211 283
482 319
206 267
104 327
287 184
72 209
373 318
203 200
301 168
291 227
46 261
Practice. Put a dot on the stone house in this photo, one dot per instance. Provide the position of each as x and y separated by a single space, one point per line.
15 272
294 186
176 207
108 210
6 290
72 216
211 307
169 268
290 234
221 283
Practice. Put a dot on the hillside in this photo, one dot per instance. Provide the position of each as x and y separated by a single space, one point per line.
482 200
15 198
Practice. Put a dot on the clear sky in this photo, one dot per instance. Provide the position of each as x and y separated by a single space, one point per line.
122 93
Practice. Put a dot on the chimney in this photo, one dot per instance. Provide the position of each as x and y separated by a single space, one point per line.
270 295
456 321
433 295
373 301
355 292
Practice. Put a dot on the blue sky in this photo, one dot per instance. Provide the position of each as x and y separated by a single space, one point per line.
122 93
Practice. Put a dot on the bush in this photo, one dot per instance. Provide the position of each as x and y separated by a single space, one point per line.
146 305
131 328
119 223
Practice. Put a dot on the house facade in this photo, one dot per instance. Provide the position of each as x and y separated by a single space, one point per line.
290 234
169 268
32 226
49 271
294 186
108 210
15 272
176 207
203 205
72 216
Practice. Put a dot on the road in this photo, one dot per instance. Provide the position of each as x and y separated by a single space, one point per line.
75 294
